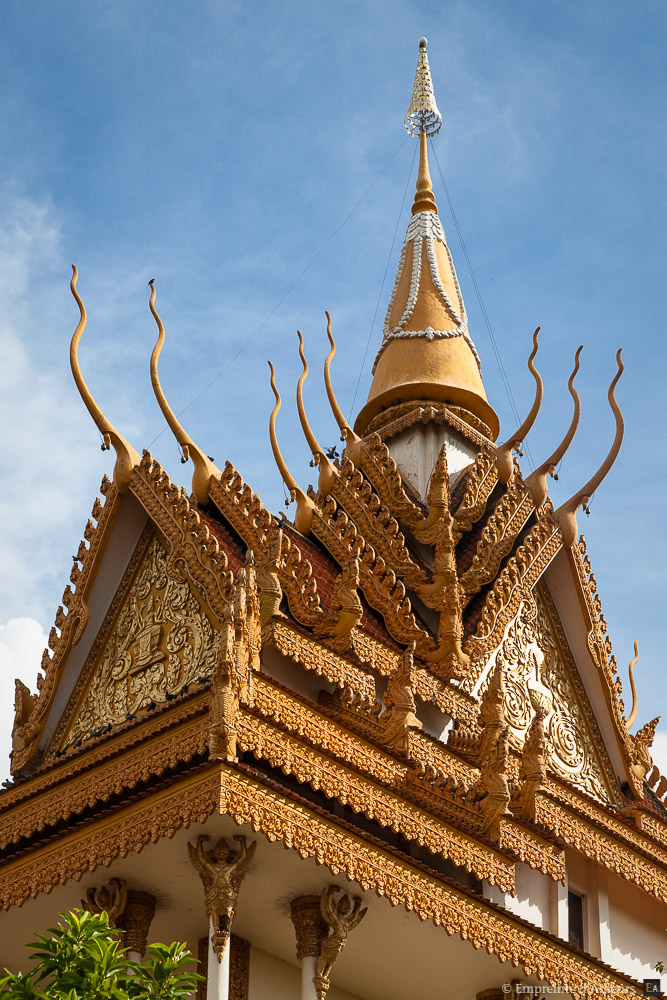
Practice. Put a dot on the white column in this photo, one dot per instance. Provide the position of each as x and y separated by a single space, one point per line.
133 956
603 916
218 972
559 919
308 967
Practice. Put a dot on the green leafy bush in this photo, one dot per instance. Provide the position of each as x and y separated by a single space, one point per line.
83 959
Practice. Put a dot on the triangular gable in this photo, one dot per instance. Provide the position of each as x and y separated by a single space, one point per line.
540 671
155 640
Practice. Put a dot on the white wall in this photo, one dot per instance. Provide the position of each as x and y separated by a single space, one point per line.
533 899
637 924
273 979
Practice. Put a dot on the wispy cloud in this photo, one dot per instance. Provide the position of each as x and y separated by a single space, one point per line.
21 643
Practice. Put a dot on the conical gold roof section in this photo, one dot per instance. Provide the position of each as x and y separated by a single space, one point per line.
426 352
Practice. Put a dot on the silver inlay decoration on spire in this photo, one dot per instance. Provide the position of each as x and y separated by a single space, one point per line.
423 115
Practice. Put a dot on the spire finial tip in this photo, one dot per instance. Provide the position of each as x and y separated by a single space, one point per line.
423 42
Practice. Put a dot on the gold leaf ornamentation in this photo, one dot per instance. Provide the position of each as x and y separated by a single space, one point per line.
160 642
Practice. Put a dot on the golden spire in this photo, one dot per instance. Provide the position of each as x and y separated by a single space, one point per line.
126 457
204 466
426 352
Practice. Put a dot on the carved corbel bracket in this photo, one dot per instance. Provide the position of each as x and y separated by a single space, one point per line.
341 916
110 898
221 870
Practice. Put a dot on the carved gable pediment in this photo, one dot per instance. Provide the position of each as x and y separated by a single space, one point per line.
540 672
155 639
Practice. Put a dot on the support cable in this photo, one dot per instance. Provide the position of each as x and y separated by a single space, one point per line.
284 296
384 278
496 350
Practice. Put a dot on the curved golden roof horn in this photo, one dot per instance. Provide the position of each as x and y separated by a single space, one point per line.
567 513
346 433
304 505
126 457
537 481
504 462
326 469
204 466
630 721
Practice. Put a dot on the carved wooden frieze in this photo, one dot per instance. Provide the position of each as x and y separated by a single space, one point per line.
540 674
159 641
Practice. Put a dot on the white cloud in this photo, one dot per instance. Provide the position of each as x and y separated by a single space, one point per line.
22 641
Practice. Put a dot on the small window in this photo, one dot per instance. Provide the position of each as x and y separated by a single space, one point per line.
575 914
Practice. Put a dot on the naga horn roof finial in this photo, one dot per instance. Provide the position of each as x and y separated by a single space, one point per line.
326 469
567 513
204 467
504 453
346 432
537 481
304 505
126 457
630 721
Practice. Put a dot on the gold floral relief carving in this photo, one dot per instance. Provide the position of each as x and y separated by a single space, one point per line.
532 849
540 676
160 641
401 883
152 756
481 480
225 791
314 656
512 588
599 846
498 536
388 809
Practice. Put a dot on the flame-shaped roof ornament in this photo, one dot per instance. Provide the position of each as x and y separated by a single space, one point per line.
423 117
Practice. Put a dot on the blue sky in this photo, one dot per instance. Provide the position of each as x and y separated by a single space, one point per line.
218 147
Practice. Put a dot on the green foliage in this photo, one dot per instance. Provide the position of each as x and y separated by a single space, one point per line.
83 959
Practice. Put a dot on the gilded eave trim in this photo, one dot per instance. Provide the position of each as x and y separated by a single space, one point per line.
222 790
